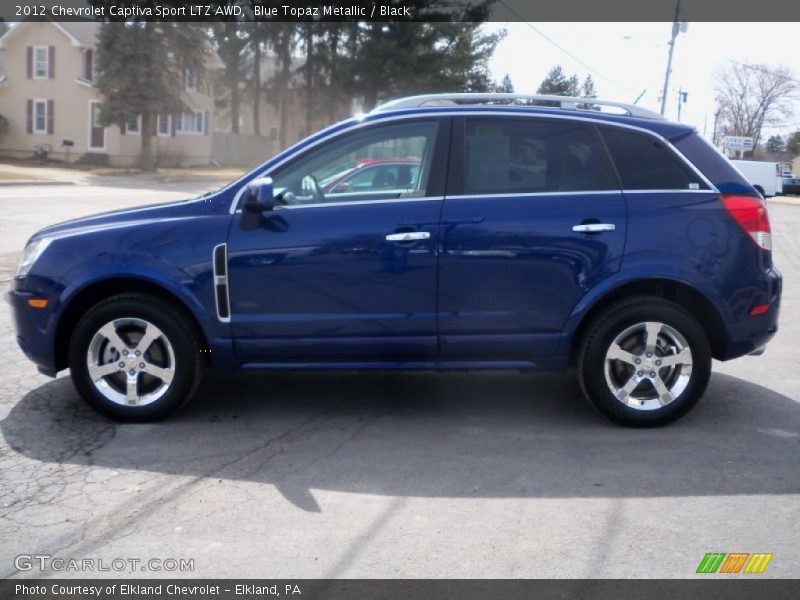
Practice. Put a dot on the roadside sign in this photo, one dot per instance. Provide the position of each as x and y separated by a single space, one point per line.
737 142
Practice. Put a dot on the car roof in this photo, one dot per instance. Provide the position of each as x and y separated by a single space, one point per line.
667 129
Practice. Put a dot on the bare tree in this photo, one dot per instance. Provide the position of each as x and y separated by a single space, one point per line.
754 96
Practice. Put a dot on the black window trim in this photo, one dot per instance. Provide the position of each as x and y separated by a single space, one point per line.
452 115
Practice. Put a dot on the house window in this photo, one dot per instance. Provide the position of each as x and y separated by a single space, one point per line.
190 122
40 116
134 125
164 124
191 80
40 60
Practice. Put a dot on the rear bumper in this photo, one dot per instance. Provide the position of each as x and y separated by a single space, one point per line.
751 333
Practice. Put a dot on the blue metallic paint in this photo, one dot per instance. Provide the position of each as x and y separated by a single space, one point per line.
322 287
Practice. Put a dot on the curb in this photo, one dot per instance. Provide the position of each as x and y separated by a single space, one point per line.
784 200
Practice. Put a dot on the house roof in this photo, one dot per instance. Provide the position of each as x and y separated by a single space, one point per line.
84 32
80 34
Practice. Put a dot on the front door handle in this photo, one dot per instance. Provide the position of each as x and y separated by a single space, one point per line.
593 227
408 236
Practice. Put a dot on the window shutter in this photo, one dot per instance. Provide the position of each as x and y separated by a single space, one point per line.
88 58
51 62
29 117
205 123
50 117
30 62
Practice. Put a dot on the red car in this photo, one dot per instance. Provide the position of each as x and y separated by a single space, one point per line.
370 174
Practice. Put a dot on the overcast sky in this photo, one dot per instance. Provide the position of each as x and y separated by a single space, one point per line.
627 58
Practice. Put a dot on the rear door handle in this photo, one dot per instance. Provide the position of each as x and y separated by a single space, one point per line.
593 227
408 236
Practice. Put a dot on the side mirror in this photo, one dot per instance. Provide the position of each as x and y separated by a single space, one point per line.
259 196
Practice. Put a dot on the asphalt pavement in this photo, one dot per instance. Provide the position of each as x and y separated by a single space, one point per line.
396 474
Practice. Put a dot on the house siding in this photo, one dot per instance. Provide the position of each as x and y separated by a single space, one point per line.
70 107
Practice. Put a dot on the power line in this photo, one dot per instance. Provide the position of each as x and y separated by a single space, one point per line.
564 50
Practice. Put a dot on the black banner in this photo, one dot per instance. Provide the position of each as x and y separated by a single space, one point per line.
403 10
714 588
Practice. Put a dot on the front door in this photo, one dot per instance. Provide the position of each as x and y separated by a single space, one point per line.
533 217
344 272
97 133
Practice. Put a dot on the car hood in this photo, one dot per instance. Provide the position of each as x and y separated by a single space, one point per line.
138 215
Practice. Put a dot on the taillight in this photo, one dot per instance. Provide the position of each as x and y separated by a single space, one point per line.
751 215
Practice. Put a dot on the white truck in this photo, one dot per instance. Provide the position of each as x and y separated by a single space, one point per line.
766 177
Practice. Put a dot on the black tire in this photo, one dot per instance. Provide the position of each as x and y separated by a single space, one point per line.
614 321
178 333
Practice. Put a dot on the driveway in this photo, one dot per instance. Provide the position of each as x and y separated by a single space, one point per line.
399 474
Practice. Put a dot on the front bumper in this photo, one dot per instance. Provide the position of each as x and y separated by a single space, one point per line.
34 329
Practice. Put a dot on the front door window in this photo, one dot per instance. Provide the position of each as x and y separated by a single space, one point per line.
384 162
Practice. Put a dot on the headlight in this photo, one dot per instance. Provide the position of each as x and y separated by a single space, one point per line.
32 252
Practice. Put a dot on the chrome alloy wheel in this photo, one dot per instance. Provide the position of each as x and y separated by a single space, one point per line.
648 365
131 362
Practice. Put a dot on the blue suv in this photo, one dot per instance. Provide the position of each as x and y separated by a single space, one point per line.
500 232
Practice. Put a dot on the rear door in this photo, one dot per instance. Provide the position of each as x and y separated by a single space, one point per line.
533 217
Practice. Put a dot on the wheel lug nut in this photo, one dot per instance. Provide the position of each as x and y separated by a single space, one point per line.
640 373
137 353
141 365
121 365
124 353
649 354
652 373
638 361
132 372
658 363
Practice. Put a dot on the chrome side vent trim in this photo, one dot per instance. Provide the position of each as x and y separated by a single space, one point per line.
221 294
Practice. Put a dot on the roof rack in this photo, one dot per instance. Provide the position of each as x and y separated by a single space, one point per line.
563 102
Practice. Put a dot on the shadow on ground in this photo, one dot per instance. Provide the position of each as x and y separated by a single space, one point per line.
428 434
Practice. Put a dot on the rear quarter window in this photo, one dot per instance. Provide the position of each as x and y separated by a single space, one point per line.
710 161
645 163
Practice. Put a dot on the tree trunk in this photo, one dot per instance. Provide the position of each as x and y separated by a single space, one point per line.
236 102
257 88
310 59
147 159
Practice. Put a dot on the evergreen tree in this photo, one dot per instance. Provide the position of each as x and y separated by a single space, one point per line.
588 91
775 145
587 88
793 144
558 84
141 69
505 86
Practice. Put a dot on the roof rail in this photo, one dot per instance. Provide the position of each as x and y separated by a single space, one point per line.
563 102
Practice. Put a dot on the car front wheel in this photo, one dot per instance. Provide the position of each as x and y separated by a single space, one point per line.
134 357
644 362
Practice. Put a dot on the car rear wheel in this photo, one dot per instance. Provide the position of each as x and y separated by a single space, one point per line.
644 362
134 357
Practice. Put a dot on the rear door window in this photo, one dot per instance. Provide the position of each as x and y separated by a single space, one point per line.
528 156
645 163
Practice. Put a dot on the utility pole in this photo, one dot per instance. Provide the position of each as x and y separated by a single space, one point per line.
676 28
